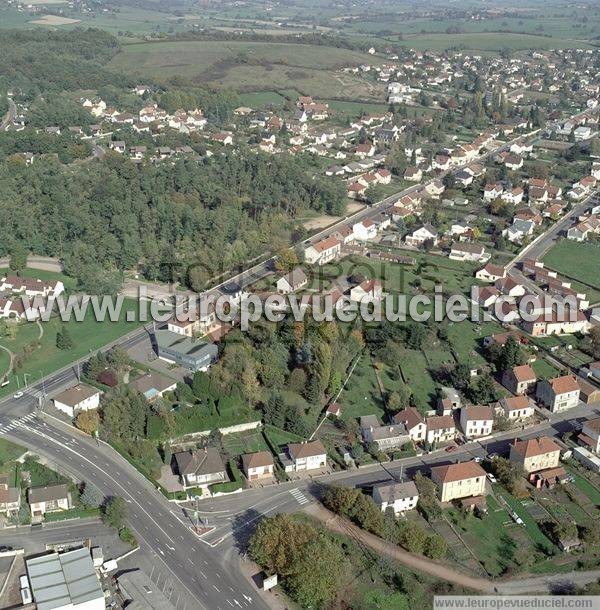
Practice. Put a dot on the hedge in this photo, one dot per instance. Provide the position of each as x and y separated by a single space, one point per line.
236 483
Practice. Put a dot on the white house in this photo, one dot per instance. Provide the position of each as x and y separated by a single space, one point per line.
258 465
558 394
421 235
398 496
476 421
468 251
323 252
414 423
292 281
305 456
440 428
49 498
79 398
492 191
367 291
517 408
200 468
365 230
30 286
491 273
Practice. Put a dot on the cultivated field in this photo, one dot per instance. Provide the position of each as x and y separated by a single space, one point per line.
489 41
54 20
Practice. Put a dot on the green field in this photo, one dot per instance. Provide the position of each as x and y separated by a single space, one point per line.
578 261
262 99
45 358
250 66
466 340
279 437
9 452
489 41
543 369
488 537
361 395
244 442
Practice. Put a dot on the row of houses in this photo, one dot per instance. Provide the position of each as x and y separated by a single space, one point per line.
539 459
204 467
41 500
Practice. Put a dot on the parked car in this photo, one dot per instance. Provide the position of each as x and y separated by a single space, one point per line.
17 395
451 448
492 478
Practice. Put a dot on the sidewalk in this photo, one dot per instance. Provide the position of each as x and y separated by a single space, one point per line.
253 574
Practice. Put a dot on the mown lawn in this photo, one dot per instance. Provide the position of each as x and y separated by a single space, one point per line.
9 452
578 261
361 395
543 369
244 442
41 357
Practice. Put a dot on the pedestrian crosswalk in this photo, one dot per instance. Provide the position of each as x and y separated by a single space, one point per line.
299 496
15 423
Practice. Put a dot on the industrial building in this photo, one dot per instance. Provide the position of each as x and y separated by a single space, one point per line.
194 355
65 581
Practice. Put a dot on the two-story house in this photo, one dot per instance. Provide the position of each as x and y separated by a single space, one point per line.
414 423
558 394
10 497
590 435
305 456
535 454
516 408
456 481
476 421
519 379
323 251
398 496
440 428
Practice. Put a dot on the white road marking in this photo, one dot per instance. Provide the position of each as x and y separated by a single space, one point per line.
299 496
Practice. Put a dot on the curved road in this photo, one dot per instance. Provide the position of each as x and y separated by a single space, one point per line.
206 579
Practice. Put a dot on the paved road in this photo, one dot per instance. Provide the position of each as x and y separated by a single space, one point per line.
544 242
9 116
560 227
205 577
234 516
34 539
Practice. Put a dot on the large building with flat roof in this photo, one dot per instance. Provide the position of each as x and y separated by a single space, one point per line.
194 355
65 581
